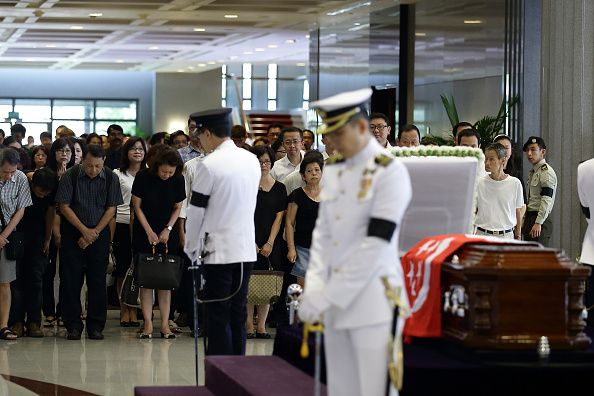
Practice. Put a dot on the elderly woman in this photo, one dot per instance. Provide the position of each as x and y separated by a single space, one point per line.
302 213
157 196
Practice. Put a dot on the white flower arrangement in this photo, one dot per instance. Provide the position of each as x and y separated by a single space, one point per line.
448 151
439 151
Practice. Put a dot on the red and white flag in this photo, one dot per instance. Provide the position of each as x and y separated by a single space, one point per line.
422 276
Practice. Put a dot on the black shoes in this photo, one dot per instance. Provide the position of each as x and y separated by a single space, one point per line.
95 335
73 335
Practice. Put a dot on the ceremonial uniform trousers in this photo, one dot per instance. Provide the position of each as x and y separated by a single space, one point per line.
220 228
542 188
362 202
585 186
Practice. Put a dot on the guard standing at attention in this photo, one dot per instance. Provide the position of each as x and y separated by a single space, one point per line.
542 188
364 195
220 229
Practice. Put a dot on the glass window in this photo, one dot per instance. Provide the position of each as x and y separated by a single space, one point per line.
78 126
34 129
129 127
115 110
32 110
5 108
72 109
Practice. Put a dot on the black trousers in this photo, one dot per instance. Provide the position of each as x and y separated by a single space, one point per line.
77 263
225 321
545 231
26 290
49 302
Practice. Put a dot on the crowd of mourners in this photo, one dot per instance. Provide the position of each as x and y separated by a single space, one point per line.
85 202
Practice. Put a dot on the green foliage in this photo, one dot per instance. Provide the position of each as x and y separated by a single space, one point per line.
450 108
435 140
487 127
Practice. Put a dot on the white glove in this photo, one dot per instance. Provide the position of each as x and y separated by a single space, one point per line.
312 307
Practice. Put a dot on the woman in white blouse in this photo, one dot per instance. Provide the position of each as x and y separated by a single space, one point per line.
133 160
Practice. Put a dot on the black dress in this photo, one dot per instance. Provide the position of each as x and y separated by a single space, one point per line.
269 203
158 197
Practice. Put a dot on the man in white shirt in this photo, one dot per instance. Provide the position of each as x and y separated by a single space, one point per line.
220 230
500 199
292 141
379 125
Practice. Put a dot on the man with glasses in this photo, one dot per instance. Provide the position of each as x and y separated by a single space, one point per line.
193 149
291 138
379 125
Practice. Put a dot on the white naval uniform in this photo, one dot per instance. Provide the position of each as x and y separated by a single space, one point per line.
346 266
229 177
585 185
188 173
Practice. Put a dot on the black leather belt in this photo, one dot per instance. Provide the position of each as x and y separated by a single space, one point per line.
494 232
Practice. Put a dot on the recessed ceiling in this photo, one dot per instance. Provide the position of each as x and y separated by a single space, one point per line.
172 35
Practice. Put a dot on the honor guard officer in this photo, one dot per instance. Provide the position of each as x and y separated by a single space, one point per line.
220 229
585 185
364 194
542 187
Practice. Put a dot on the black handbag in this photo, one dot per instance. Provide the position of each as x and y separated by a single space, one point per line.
158 271
15 249
129 293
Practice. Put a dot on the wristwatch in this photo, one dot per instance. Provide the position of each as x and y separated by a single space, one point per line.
169 227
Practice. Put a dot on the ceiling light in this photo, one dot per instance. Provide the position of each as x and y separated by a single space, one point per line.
50 46
76 27
231 16
259 50
191 67
119 61
96 14
300 64
272 46
248 53
202 64
220 60
356 23
153 48
212 63
29 59
307 36
199 30
290 41
420 34
233 57
473 21
180 71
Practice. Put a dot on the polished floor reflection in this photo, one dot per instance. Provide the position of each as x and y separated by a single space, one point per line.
109 367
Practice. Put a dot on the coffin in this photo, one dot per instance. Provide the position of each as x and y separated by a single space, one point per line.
507 297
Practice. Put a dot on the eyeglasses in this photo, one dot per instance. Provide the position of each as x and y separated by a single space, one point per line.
293 142
378 127
265 162
64 151
137 149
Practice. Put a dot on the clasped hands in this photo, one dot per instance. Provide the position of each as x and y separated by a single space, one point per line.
89 236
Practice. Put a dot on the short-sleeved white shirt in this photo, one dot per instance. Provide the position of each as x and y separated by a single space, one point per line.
497 201
123 211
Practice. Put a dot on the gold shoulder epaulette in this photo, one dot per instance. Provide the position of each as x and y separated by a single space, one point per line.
335 159
383 159
544 167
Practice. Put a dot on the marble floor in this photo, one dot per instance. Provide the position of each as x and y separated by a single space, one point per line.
113 366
